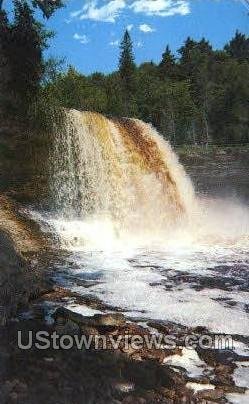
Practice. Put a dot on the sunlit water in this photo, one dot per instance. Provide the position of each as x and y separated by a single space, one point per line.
134 234
193 274
197 275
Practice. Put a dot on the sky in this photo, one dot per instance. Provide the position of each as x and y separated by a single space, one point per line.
88 32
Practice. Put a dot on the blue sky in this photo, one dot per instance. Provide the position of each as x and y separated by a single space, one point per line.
88 31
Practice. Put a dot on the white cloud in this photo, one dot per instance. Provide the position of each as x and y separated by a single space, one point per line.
107 12
129 27
162 8
110 10
81 38
76 13
139 44
146 28
114 43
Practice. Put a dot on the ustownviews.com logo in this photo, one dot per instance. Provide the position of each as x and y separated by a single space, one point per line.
43 340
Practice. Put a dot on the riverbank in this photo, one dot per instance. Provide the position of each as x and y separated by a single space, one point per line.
116 373
22 259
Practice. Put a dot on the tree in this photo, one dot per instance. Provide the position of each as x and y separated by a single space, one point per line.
73 90
114 92
167 66
48 7
21 46
5 77
238 47
127 70
195 66
26 41
229 109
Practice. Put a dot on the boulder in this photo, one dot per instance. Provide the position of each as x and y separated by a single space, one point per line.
98 320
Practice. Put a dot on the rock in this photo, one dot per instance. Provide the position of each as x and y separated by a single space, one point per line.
67 327
98 320
171 394
110 319
12 278
172 378
210 395
88 330
224 375
21 275
162 328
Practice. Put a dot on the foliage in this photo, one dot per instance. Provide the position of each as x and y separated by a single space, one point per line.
48 7
127 70
200 97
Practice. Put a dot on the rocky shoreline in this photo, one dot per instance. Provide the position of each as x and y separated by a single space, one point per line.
23 270
106 374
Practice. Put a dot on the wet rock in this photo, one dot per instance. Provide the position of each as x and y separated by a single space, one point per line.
60 295
88 330
21 270
199 330
215 357
168 328
98 320
162 328
66 327
211 395
109 320
224 375
13 280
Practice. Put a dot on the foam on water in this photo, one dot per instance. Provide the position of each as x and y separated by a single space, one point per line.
188 360
235 398
143 277
241 374
200 386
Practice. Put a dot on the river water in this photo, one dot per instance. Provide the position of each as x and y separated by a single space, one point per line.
194 275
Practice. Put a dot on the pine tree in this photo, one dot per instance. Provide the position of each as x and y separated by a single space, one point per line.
48 7
127 70
238 47
26 41
167 65
5 77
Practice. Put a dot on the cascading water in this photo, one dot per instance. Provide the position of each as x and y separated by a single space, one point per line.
120 173
137 237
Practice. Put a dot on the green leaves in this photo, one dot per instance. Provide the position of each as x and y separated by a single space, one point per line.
48 7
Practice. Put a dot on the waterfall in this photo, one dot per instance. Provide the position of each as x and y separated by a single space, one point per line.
120 170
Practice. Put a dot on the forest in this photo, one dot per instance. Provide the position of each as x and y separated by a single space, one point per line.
199 96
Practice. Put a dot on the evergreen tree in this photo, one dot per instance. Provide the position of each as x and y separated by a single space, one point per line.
127 70
48 7
24 55
238 47
5 77
167 66
195 65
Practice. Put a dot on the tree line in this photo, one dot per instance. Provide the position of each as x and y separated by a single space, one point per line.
199 97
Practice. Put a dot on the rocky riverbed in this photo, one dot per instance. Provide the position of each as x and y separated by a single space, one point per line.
122 373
